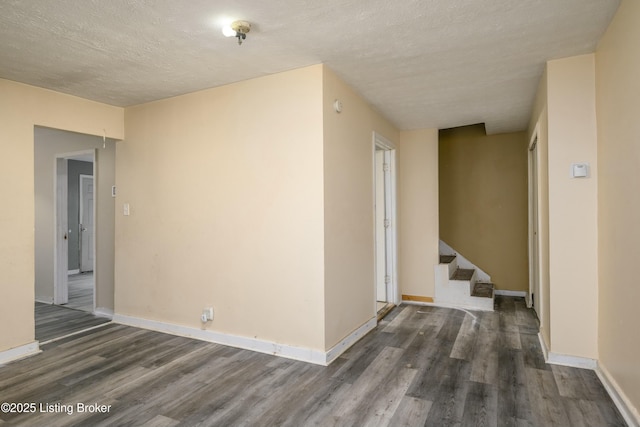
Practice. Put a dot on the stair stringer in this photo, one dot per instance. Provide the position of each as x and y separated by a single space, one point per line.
458 293
481 276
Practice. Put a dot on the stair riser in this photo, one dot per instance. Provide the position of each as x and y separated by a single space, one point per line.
453 266
462 262
457 293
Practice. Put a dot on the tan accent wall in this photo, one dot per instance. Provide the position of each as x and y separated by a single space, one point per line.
225 188
618 107
573 207
349 258
483 201
21 108
417 212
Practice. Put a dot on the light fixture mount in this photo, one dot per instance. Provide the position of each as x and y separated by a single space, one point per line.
238 29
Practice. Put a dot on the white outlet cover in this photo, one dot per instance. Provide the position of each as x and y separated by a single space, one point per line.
579 170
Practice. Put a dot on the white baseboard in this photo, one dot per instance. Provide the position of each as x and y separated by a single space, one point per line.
70 272
309 355
622 402
19 352
620 399
103 312
45 300
545 350
508 293
565 359
572 361
350 340
420 303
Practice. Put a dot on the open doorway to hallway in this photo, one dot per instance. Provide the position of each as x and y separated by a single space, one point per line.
74 225
81 232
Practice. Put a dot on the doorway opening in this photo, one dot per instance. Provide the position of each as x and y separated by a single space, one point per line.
386 291
74 286
74 177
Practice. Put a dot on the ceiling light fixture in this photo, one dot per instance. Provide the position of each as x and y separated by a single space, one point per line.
237 29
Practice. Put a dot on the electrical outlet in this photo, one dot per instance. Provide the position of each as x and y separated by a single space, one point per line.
207 314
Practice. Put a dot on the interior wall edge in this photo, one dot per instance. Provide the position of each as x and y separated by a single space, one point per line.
630 413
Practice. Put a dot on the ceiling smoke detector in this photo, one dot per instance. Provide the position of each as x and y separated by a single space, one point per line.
238 29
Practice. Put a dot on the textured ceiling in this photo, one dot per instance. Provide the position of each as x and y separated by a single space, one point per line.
422 63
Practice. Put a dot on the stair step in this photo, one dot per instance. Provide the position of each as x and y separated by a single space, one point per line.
447 259
483 290
463 274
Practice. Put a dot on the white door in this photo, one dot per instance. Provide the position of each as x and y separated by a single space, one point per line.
86 223
381 238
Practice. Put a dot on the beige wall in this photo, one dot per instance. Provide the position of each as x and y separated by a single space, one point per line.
105 171
418 212
22 107
618 107
565 119
573 226
348 207
225 188
483 201
48 144
276 225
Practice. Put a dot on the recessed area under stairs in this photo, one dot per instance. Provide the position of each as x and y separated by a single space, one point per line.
459 287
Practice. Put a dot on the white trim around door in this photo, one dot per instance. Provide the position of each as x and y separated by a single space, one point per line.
391 261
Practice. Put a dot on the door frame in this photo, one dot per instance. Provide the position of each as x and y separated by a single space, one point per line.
391 257
534 296
381 207
81 211
61 242
61 224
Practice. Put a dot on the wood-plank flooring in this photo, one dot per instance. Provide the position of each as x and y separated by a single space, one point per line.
80 291
53 321
421 366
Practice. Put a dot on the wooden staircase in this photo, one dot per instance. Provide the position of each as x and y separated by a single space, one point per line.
459 287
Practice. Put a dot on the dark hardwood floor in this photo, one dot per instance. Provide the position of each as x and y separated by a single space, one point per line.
53 321
421 366
81 291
